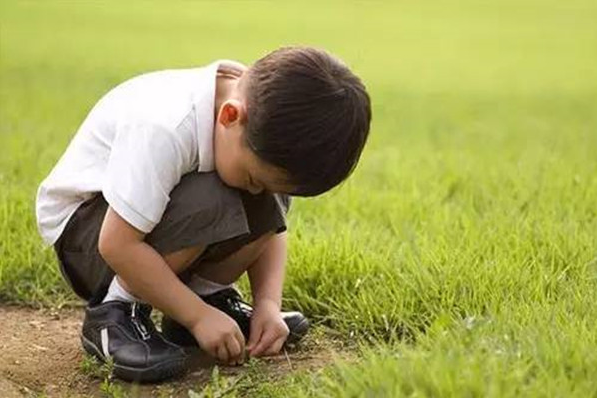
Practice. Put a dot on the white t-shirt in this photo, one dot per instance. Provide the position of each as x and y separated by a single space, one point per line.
134 146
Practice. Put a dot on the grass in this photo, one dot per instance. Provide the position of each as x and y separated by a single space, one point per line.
461 256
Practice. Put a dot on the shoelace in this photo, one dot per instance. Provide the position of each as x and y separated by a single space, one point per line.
140 321
235 301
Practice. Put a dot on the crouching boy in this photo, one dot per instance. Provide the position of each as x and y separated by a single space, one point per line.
178 182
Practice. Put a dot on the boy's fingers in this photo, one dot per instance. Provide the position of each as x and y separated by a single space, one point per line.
258 347
240 338
214 352
222 353
234 350
238 335
255 335
276 346
266 340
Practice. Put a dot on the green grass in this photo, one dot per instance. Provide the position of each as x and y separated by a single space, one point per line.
461 256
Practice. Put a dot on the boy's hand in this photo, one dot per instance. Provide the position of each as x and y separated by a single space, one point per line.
268 329
220 336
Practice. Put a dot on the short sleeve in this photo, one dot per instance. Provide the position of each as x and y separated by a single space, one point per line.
283 204
145 163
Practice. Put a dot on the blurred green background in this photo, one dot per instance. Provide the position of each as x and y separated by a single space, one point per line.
461 256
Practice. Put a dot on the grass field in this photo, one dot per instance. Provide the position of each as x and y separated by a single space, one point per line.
461 257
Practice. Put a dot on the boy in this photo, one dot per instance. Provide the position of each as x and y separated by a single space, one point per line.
178 182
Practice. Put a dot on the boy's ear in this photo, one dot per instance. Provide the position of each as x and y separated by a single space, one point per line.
232 111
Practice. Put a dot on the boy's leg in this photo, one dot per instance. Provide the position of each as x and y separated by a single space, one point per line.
213 275
230 269
218 273
177 261
224 262
202 211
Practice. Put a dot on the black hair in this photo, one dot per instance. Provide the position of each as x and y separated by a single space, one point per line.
307 114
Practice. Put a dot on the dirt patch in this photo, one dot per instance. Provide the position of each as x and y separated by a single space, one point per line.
40 349
41 354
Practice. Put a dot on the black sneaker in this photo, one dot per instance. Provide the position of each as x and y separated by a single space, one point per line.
230 302
125 332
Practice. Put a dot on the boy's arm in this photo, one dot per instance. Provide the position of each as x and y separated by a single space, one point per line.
150 278
266 275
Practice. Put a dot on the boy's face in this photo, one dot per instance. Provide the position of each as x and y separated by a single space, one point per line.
235 162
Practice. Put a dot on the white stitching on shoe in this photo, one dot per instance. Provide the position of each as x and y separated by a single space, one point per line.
105 341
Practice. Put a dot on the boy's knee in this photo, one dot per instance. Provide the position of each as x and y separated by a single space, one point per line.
201 211
251 251
204 211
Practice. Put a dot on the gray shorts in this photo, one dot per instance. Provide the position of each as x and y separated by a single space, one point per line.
202 211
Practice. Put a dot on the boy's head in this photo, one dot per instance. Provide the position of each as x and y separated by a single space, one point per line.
297 125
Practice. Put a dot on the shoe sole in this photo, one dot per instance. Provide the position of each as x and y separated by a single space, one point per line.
155 373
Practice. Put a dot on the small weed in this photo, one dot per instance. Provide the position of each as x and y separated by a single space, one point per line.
92 367
218 386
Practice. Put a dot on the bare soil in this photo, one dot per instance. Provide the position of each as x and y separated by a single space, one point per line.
41 354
